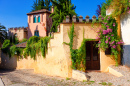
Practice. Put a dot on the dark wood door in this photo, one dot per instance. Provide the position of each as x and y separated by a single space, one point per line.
92 56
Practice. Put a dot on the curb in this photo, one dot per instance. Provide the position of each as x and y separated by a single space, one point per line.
1 82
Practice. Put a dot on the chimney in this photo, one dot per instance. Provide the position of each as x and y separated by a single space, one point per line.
67 19
52 9
94 18
74 18
87 18
80 18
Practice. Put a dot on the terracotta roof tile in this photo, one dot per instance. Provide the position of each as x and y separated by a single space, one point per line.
80 16
23 45
87 16
39 11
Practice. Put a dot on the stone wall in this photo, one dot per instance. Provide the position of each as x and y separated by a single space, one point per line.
19 32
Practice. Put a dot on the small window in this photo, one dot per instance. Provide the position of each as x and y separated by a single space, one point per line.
38 18
36 33
108 51
34 19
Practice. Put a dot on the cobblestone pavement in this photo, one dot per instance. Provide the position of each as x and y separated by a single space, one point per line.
26 77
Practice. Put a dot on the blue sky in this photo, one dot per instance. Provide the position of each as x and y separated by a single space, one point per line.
13 12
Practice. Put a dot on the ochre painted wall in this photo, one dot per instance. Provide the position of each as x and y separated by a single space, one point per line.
105 61
58 61
55 63
89 33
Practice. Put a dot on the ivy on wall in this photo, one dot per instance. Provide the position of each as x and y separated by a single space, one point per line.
78 56
107 36
34 45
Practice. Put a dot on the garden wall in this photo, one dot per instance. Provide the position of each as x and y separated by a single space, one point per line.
58 61
89 33
8 63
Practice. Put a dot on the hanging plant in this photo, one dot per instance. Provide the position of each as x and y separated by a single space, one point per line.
36 44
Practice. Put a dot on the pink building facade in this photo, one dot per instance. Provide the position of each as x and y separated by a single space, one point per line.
39 23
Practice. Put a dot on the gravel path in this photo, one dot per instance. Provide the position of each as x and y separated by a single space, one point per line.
26 77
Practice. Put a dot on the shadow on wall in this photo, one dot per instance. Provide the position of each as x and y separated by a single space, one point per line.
75 41
29 32
126 55
124 19
8 63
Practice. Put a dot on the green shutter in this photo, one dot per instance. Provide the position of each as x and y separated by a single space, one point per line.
35 20
38 18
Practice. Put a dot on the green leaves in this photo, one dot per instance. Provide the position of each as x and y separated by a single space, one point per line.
24 40
5 47
104 7
108 36
3 33
62 8
36 44
77 55
41 4
119 6
6 44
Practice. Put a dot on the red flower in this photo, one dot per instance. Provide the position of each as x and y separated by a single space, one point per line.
45 28
43 24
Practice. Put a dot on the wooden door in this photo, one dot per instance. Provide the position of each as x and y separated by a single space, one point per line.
92 56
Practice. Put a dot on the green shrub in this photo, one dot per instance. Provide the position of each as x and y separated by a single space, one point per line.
24 40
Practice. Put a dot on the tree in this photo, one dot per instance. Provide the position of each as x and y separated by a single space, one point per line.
103 10
3 33
98 11
62 8
104 6
41 4
119 7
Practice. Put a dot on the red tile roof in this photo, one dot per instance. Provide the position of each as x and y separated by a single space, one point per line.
39 11
22 45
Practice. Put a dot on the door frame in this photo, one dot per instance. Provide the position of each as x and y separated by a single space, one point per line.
92 63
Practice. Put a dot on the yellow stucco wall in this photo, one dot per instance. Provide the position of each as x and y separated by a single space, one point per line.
55 63
105 60
58 61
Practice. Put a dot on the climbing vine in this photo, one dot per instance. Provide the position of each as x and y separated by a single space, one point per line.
107 36
78 56
5 46
119 6
34 45
16 50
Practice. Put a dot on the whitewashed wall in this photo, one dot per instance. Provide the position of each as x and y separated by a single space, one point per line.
125 34
125 28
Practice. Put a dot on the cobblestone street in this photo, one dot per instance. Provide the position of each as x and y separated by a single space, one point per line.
26 77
